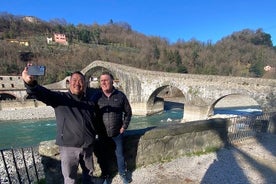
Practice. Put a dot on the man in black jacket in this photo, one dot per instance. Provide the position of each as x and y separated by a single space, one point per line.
115 112
75 124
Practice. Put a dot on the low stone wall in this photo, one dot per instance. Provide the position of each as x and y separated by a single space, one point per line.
146 146
170 142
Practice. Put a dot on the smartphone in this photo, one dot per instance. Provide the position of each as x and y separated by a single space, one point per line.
36 70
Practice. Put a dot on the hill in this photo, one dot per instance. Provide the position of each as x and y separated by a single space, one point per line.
24 39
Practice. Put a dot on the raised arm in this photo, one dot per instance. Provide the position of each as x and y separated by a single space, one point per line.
28 79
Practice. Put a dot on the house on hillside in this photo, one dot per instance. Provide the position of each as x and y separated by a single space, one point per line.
30 19
20 42
49 40
267 68
270 69
60 38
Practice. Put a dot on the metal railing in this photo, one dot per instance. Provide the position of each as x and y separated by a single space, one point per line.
244 127
22 165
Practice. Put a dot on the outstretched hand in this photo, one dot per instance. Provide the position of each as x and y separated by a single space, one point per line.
26 77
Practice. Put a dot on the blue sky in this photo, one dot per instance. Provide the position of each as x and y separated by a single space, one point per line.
203 20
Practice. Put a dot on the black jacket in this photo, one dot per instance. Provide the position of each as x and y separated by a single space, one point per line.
74 115
114 111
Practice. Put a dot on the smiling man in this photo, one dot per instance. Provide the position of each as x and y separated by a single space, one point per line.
115 112
75 124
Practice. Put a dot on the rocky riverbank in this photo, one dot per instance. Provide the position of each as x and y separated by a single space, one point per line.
22 164
41 112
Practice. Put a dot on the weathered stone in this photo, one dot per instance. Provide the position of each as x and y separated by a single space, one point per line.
49 149
146 146
168 142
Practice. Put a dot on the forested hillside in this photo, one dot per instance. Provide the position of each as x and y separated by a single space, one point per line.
243 53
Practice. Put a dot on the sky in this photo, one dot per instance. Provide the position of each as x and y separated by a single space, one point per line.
203 20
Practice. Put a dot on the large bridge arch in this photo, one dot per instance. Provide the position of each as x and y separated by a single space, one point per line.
154 103
155 98
124 78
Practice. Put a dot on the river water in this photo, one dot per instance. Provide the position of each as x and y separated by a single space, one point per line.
14 134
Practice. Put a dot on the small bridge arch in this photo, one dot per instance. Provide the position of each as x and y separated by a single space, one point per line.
7 96
232 101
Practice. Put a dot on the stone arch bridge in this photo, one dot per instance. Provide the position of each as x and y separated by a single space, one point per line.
201 92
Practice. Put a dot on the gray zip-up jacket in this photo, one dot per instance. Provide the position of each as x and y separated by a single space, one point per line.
115 111
74 115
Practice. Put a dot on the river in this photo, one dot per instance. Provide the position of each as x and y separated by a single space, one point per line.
26 133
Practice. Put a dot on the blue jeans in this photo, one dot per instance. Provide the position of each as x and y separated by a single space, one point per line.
119 153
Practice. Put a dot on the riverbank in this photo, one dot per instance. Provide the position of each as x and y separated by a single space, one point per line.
41 112
46 112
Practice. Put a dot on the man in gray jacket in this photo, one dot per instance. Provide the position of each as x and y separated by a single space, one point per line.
75 124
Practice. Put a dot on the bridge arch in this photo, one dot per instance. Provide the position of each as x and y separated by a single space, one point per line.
7 96
124 78
157 98
154 103
232 101
93 75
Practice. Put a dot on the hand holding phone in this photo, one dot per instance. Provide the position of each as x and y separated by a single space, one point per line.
36 70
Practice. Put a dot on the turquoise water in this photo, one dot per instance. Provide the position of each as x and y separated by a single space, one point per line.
32 132
15 134
26 133
246 111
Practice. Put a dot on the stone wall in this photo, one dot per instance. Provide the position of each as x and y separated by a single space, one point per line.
170 142
146 146
11 82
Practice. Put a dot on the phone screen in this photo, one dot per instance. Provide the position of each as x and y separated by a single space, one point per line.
36 70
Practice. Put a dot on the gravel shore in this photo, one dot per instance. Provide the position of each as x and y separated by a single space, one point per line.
27 113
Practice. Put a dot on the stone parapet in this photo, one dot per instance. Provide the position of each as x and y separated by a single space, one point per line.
146 146
170 142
